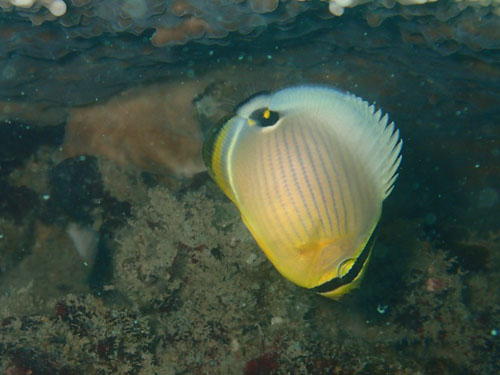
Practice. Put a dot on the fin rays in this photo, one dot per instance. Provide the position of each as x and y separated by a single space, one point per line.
381 144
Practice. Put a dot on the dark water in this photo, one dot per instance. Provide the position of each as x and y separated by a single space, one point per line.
118 253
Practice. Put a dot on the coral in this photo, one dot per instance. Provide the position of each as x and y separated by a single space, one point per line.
192 293
144 262
31 112
80 336
180 21
124 183
42 67
179 268
182 258
263 6
337 7
153 128
190 28
55 7
164 235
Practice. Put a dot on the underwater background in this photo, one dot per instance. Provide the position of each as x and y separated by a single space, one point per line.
119 255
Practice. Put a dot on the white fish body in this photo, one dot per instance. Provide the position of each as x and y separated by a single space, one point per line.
308 168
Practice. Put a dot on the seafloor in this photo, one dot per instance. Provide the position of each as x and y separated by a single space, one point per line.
119 255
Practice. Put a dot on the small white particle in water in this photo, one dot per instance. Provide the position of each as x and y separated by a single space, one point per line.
477 165
46 197
276 320
85 241
382 309
494 332
1 236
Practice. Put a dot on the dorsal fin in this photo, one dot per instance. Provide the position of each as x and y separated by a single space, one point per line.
379 143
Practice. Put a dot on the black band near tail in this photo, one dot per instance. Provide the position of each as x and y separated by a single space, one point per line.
337 282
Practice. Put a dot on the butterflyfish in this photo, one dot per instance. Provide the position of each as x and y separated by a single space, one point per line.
308 168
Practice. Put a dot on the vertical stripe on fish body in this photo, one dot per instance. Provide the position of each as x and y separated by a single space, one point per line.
308 167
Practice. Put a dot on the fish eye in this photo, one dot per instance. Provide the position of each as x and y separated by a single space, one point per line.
264 117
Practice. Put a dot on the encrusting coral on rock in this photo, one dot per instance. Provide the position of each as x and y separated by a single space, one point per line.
153 128
192 293
123 43
56 7
337 7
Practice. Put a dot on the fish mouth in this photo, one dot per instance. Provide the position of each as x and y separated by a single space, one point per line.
353 273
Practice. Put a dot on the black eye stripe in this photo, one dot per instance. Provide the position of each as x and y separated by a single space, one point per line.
265 117
249 99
